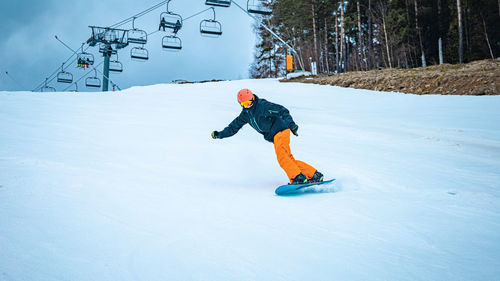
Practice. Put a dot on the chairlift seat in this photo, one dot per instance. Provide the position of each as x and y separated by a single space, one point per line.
171 42
93 82
85 58
64 77
115 66
218 3
258 7
170 20
139 53
137 36
211 28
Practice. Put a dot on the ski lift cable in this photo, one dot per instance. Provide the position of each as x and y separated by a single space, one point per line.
197 13
267 28
53 75
15 81
138 15
263 25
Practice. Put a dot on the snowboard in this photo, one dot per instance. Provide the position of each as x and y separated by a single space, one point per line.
288 189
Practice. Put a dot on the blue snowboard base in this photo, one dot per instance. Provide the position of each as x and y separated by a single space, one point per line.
297 188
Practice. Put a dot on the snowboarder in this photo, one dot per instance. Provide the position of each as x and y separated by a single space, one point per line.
275 123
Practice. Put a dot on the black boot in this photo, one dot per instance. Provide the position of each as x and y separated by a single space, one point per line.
299 179
318 177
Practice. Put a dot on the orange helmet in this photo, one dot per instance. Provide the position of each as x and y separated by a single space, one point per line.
245 98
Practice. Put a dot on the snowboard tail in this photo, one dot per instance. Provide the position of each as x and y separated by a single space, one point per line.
296 188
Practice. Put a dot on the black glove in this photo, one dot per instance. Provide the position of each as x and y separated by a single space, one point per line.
215 135
294 128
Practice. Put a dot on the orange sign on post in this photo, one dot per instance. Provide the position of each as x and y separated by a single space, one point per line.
289 62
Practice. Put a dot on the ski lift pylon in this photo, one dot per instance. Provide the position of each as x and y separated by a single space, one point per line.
218 3
261 7
136 36
211 27
171 43
63 76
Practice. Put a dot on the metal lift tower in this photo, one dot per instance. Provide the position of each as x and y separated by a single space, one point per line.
110 40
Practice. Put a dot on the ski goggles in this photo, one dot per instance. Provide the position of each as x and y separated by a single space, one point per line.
247 104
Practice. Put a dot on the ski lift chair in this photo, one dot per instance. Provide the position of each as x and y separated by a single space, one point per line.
218 3
171 43
64 77
210 27
260 7
170 20
139 54
115 66
137 36
47 88
85 59
93 82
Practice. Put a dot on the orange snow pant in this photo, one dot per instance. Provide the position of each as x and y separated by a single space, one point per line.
291 166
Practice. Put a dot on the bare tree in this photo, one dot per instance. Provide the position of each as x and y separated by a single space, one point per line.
342 36
486 36
360 40
337 41
370 40
314 33
424 63
326 48
381 11
460 35
440 30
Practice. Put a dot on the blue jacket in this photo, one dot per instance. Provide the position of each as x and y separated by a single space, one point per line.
265 117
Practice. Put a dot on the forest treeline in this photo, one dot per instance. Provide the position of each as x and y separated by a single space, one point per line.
369 34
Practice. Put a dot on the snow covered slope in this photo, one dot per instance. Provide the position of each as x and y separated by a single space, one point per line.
130 186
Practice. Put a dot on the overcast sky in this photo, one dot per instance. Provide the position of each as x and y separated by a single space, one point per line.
29 51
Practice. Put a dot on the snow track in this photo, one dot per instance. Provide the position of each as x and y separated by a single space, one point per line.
130 186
